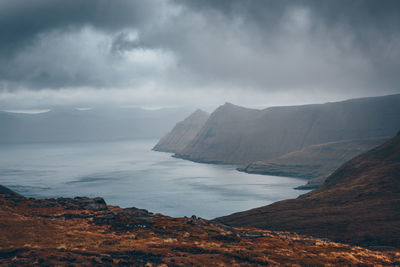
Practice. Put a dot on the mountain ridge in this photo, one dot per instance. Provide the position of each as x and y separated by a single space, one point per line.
237 135
357 204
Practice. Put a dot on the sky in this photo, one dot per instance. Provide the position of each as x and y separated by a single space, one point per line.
173 53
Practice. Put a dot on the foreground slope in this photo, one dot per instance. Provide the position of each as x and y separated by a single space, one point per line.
183 132
358 204
315 162
6 191
239 135
87 232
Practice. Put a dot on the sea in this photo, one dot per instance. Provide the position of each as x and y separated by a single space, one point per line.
130 174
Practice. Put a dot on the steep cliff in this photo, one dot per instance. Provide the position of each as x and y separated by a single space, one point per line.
183 132
239 135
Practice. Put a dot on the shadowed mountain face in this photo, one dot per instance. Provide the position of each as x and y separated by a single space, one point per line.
315 162
69 124
239 135
358 204
183 132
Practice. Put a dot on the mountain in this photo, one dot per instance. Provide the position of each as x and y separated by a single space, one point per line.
97 124
237 135
183 132
358 204
87 232
315 162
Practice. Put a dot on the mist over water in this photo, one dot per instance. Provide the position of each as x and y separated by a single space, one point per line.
129 174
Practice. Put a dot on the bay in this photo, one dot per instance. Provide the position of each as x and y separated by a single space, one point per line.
130 174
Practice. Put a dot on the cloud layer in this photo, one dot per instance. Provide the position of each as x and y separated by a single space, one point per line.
163 53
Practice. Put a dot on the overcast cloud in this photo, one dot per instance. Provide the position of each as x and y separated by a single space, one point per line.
156 53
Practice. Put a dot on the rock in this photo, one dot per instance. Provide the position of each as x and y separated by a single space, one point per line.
106 259
97 260
126 219
96 204
8 192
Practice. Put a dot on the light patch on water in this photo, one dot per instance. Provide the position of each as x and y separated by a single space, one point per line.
129 173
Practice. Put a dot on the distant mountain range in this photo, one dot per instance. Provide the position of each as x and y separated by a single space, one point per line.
358 204
70 124
261 141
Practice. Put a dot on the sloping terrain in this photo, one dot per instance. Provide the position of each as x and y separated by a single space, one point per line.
6 191
87 232
315 162
358 204
183 132
237 135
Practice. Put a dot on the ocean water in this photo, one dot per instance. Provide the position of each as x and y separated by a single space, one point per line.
130 174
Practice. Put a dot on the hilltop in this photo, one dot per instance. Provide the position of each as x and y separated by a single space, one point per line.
237 135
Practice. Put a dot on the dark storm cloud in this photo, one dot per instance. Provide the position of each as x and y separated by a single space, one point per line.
326 48
35 39
22 20
365 28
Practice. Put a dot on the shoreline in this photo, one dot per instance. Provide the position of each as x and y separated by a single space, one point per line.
306 186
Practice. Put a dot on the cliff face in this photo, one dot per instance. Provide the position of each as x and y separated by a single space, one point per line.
183 132
87 232
219 140
315 162
239 135
358 204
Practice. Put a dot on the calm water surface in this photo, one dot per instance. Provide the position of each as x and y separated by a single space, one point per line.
128 173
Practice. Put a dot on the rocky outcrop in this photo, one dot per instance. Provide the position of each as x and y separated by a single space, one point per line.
315 162
358 204
183 132
238 135
95 204
6 191
36 233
